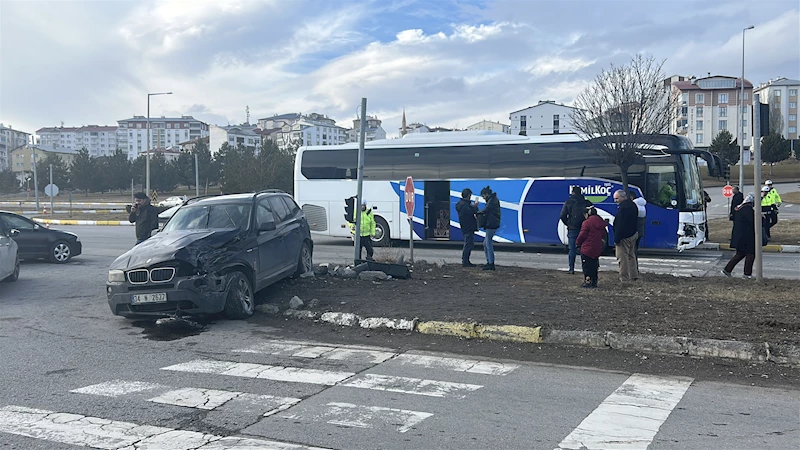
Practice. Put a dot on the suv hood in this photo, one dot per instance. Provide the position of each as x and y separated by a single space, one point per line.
196 247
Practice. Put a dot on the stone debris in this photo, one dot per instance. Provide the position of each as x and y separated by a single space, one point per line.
268 308
300 314
373 275
383 322
339 318
296 303
361 267
321 270
314 303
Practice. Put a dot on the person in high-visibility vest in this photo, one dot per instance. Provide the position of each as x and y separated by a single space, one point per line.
367 229
775 199
768 210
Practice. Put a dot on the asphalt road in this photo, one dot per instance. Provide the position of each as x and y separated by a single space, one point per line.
720 206
74 376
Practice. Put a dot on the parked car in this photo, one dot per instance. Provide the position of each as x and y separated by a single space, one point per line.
212 256
9 255
36 241
172 201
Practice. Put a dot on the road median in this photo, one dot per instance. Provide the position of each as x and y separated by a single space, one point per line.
82 222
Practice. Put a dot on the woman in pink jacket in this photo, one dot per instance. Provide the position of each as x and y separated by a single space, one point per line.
590 241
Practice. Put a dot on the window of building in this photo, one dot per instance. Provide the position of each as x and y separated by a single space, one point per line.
723 111
746 95
699 98
792 104
698 138
744 123
523 122
699 111
723 98
699 125
138 125
792 129
744 136
792 117
792 92
777 93
723 125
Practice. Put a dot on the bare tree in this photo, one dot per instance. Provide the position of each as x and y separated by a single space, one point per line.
621 107
775 115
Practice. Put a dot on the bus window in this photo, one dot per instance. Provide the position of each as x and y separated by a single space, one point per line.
692 191
661 187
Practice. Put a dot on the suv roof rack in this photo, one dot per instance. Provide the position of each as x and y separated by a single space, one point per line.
198 198
270 191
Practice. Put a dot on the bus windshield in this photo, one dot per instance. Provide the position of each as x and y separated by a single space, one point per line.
692 190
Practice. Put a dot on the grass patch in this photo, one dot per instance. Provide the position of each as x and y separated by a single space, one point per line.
791 197
783 172
785 232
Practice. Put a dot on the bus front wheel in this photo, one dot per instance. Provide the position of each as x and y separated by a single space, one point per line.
382 235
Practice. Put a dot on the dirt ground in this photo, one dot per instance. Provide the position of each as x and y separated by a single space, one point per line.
785 232
716 307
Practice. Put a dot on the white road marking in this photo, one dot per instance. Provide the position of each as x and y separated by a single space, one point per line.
457 364
350 415
630 417
301 350
117 388
262 371
95 432
196 398
417 386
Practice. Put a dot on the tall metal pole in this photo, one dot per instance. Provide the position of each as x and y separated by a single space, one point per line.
196 176
740 116
51 187
147 164
35 177
759 267
360 179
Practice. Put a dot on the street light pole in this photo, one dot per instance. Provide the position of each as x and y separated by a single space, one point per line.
147 165
740 116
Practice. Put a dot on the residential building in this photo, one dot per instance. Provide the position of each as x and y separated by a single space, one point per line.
164 132
709 105
21 159
546 117
234 135
190 145
414 128
278 121
781 95
490 126
10 139
169 154
292 130
374 130
98 140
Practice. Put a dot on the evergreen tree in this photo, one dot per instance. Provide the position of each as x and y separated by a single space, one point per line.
9 184
774 148
60 172
83 172
724 146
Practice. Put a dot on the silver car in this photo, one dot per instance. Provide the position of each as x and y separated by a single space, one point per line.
9 255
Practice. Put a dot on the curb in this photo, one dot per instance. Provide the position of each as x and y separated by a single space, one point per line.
664 345
83 222
772 248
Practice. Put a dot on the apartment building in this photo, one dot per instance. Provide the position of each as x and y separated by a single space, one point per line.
781 95
21 159
545 118
99 140
10 139
709 105
374 130
234 135
295 129
164 132
489 125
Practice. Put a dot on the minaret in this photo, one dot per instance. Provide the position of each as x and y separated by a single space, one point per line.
403 124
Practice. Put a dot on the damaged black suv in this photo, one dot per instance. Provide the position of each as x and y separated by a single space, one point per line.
212 256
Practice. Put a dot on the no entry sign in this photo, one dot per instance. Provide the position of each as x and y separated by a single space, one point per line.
409 196
727 191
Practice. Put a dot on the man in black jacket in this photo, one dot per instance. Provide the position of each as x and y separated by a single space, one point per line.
572 215
737 200
469 225
625 236
144 215
491 222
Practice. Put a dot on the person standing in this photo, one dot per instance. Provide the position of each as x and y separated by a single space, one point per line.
769 210
743 238
466 210
590 240
775 201
367 230
144 215
737 200
572 215
491 222
625 236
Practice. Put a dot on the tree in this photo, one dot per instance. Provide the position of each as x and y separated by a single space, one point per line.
83 172
118 171
184 168
9 184
725 147
163 177
60 172
621 107
208 165
775 115
276 167
774 148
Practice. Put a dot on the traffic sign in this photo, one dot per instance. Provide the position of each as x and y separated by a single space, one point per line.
51 190
409 196
727 191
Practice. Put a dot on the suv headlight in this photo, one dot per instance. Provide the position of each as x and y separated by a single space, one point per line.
116 276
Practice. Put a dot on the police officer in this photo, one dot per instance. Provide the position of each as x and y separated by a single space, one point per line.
768 211
775 200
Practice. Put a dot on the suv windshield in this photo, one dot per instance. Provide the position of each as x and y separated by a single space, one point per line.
202 217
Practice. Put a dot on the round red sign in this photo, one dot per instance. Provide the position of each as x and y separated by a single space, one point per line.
409 191
727 191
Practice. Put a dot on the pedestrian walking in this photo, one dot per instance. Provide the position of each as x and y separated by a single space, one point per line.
489 217
590 240
625 236
144 215
774 199
641 217
737 200
367 230
743 238
466 210
572 215
769 210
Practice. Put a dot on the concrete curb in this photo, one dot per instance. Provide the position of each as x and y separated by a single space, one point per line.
772 248
664 345
83 222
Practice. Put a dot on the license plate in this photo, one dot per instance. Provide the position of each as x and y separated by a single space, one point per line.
156 297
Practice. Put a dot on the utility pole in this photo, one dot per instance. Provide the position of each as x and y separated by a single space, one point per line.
759 267
360 182
51 187
196 176
740 117
35 175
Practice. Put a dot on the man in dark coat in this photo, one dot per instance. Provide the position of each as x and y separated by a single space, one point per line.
144 215
743 238
491 222
572 215
625 236
469 225
737 200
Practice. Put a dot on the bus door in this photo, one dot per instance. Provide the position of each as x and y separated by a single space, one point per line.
437 210
662 218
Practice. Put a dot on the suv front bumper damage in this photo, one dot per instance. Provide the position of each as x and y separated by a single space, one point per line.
195 294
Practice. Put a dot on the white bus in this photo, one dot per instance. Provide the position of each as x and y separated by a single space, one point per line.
532 177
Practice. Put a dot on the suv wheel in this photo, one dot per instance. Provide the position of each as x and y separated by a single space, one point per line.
304 263
239 300
60 252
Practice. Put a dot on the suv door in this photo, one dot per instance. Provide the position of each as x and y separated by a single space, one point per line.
7 260
32 241
271 245
291 230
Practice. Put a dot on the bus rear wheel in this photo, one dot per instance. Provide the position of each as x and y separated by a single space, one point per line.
382 236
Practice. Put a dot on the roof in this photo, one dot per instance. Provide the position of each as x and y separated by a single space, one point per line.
8 128
241 129
552 103
247 196
687 85
195 140
162 119
779 82
87 128
267 131
49 149
283 116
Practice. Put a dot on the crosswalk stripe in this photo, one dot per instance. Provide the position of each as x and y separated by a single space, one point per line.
350 415
95 432
301 350
630 417
457 364
416 386
198 398
262 371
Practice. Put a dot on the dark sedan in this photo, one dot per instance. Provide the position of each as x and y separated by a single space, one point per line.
36 241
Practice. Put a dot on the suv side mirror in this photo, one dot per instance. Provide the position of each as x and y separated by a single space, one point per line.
267 226
13 233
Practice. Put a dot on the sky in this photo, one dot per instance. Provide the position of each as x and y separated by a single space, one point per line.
448 63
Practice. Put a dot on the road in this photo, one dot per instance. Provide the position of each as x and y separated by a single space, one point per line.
74 376
720 206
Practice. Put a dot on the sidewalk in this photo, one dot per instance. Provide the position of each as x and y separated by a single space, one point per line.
716 316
